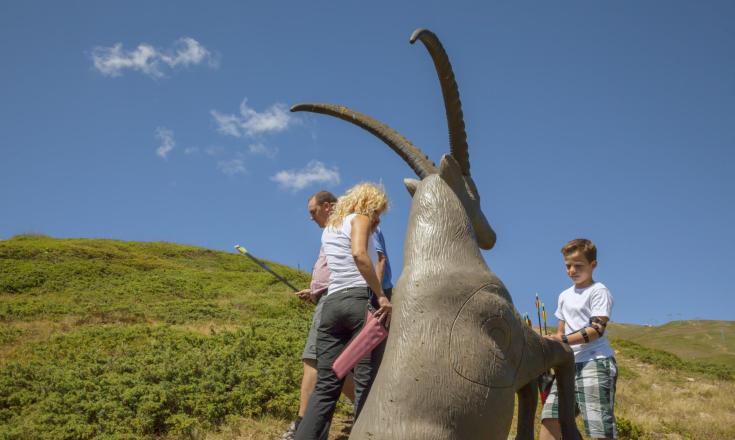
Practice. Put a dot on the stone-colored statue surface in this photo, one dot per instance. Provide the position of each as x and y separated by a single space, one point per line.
458 350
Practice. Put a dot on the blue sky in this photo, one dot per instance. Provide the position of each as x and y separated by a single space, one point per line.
165 121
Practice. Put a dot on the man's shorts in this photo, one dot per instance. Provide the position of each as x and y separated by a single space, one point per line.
310 347
594 389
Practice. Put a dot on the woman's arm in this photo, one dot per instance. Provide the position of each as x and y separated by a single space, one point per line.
359 236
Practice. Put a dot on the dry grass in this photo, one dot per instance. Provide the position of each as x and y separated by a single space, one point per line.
666 405
675 405
269 428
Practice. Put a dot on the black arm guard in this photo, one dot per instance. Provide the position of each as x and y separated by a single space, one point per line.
585 335
598 324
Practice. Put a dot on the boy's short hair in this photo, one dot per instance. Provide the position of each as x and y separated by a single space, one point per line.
583 245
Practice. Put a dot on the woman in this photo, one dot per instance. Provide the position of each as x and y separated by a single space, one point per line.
348 247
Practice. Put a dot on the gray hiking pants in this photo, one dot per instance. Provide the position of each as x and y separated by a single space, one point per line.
343 316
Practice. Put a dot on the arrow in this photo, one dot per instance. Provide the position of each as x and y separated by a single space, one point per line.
245 252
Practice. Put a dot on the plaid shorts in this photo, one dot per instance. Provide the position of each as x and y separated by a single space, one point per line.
594 389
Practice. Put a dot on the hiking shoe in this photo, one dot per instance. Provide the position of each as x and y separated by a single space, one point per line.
290 432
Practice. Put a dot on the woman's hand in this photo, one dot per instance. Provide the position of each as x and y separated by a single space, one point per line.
385 310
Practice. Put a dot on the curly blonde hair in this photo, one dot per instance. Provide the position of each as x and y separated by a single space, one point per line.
364 198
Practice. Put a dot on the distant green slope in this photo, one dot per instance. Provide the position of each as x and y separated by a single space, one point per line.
113 339
702 341
117 281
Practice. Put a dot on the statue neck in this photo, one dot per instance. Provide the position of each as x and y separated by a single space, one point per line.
440 234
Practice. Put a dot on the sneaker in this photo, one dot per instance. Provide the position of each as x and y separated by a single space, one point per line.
290 432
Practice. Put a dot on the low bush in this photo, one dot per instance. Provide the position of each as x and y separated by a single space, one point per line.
627 430
141 381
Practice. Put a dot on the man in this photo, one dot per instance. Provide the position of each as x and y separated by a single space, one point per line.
383 265
320 206
382 268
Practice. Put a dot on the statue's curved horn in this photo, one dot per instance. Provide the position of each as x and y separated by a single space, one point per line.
415 158
450 91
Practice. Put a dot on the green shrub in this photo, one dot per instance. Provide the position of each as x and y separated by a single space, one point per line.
147 382
628 430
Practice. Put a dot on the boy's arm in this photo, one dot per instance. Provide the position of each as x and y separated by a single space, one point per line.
601 302
559 332
592 332
560 329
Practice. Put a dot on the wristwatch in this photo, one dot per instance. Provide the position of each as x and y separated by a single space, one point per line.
564 339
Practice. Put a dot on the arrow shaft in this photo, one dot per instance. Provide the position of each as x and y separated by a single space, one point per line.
268 269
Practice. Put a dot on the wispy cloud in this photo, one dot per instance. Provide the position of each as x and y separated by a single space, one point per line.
314 172
191 150
186 51
232 166
260 149
214 150
251 123
166 138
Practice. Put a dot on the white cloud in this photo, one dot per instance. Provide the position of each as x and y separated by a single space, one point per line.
251 123
263 150
214 150
226 124
166 137
191 150
314 172
112 61
232 167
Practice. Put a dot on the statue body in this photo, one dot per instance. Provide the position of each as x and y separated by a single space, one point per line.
458 351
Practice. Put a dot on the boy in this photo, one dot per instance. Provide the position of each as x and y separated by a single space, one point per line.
583 312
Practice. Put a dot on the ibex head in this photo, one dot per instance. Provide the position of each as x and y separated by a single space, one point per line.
454 168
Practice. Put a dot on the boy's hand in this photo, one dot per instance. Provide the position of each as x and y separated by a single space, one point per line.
304 295
553 337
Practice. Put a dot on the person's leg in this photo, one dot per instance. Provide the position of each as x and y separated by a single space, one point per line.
550 430
308 380
331 339
364 372
596 396
307 384
348 389
550 426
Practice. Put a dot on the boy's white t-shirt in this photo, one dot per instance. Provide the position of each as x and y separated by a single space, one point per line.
337 245
576 307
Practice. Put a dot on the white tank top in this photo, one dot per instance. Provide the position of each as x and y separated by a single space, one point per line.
337 244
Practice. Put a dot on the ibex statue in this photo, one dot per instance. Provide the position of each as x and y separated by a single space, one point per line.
458 350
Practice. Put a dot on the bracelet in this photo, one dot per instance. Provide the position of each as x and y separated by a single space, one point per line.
564 339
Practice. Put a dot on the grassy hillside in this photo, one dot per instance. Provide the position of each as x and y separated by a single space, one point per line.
703 341
110 339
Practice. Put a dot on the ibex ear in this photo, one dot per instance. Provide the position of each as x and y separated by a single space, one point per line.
451 172
411 185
